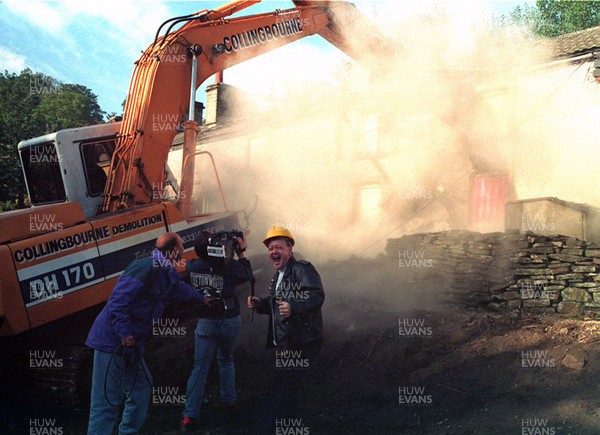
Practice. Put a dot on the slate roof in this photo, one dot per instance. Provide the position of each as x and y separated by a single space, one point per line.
576 43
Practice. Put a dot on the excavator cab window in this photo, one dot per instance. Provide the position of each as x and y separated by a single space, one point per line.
96 161
41 165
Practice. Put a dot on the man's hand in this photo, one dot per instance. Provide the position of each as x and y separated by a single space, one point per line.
253 302
285 310
128 341
207 300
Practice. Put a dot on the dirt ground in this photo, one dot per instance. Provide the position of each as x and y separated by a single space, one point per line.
398 359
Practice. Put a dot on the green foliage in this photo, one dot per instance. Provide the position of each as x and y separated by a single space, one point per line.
7 206
33 104
70 106
551 18
560 17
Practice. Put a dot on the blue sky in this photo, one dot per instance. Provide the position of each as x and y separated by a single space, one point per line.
95 43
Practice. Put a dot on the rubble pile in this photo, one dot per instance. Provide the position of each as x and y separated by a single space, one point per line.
506 271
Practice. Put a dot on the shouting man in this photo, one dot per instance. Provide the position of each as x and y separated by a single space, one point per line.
295 326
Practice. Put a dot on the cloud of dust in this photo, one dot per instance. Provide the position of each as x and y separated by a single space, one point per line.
391 149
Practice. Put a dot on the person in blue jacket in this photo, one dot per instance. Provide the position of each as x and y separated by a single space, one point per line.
120 331
218 324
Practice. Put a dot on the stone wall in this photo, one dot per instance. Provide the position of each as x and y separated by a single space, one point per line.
506 271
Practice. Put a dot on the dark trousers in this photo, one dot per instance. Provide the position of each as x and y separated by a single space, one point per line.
280 399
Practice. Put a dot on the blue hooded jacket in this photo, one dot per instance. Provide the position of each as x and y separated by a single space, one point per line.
137 300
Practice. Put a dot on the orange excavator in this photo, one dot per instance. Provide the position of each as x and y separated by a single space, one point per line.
98 192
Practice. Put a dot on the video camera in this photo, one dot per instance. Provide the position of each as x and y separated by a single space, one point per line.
222 245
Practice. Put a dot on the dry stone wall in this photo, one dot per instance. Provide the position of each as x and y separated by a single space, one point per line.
506 271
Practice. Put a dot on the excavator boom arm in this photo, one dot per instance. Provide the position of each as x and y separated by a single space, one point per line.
159 93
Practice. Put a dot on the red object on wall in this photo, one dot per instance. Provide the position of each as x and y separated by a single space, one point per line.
489 194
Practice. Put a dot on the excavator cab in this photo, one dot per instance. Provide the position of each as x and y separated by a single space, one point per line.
69 166
72 165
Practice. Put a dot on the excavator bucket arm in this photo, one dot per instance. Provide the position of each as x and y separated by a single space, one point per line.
350 31
159 93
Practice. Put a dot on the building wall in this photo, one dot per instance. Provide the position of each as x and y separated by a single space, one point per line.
548 115
548 216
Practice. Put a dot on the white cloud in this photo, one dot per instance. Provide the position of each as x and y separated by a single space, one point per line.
46 15
11 61
132 24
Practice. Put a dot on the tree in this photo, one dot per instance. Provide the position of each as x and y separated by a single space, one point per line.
69 106
33 104
18 120
552 18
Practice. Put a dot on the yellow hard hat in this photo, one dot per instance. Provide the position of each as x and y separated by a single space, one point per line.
275 232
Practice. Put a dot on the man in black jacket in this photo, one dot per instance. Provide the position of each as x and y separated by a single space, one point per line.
295 326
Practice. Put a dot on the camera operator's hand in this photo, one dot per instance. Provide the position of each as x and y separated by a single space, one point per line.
253 302
241 247
285 310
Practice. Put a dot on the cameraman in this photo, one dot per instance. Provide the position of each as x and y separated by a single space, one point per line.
218 324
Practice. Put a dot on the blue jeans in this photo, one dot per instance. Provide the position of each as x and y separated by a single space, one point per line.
113 380
212 334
